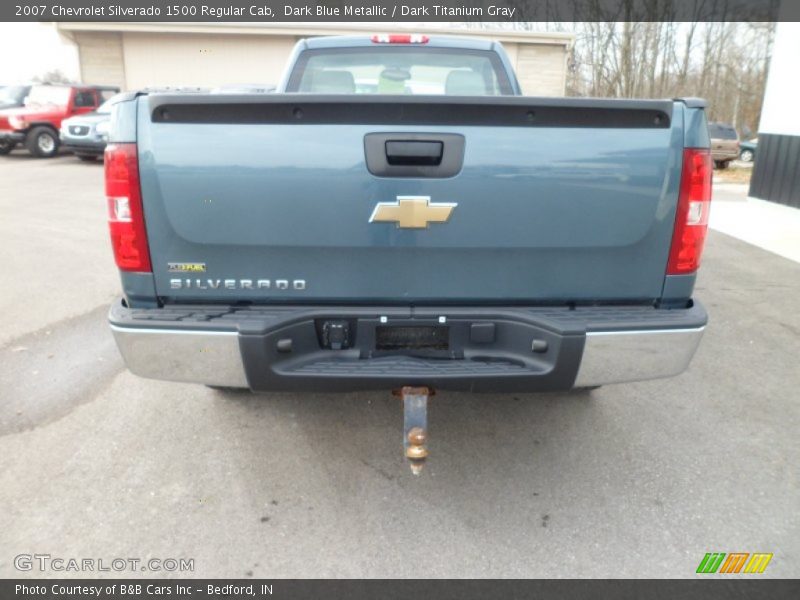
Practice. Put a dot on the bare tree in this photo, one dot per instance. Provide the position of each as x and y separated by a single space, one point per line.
54 76
628 49
726 63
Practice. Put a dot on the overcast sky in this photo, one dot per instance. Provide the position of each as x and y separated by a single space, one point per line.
31 49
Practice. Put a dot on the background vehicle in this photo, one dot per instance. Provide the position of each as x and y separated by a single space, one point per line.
86 135
12 96
724 144
36 125
469 240
747 152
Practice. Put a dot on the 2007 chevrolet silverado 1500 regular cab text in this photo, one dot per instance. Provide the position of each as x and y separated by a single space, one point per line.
397 214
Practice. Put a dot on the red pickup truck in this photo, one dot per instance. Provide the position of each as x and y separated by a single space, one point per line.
37 123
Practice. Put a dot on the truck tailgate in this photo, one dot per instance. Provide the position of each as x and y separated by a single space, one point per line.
270 199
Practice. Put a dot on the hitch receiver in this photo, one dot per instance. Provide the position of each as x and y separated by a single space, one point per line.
415 425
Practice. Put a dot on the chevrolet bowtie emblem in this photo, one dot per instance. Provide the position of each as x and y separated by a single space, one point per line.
412 212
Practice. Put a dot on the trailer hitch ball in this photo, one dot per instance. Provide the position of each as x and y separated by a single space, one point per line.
415 425
416 452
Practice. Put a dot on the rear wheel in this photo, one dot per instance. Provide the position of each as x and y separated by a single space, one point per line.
746 156
87 157
42 142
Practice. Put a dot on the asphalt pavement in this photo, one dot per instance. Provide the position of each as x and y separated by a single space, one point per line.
636 480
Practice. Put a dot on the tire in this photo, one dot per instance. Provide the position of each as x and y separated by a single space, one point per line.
747 156
87 157
722 164
6 148
42 142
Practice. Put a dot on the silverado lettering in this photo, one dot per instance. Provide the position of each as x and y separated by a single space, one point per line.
237 284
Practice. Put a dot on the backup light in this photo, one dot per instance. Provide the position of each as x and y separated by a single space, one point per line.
119 210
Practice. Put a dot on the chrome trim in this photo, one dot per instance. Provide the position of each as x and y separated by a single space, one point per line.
214 358
623 356
208 357
69 131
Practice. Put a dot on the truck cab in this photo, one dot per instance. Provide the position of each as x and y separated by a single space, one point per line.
36 125
399 64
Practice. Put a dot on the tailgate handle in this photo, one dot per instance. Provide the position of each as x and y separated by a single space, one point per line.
410 152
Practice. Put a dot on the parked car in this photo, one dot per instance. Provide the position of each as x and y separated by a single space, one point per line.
12 96
86 135
724 144
747 152
36 125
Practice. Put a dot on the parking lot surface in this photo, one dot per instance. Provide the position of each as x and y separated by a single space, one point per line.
637 480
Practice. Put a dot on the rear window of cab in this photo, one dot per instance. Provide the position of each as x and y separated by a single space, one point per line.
404 71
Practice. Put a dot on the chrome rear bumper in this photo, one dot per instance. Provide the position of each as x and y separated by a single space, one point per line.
232 347
625 356
208 357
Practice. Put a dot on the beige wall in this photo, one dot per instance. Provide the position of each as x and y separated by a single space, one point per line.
101 60
541 70
136 60
201 60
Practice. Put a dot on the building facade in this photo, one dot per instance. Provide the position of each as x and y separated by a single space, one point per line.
138 55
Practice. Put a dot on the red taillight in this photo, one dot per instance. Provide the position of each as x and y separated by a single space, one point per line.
400 38
125 214
691 220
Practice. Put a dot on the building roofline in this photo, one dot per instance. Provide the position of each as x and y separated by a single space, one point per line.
67 28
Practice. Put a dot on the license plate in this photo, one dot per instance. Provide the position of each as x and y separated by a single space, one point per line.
434 337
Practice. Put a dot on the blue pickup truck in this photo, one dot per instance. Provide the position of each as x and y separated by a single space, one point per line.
398 214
